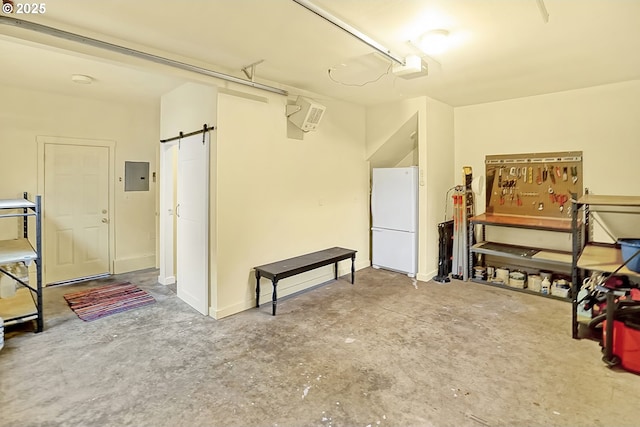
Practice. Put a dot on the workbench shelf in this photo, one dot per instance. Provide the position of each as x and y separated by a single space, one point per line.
590 256
26 305
516 255
525 290
521 253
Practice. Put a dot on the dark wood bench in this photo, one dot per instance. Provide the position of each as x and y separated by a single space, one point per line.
292 266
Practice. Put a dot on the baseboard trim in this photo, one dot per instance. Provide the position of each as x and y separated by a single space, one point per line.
169 280
426 277
286 291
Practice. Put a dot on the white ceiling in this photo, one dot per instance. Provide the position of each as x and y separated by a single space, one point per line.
502 48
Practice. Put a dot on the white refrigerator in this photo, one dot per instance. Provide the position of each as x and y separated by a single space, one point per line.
394 212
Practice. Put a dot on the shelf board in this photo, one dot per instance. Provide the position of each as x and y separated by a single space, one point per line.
584 320
523 221
16 250
603 258
564 258
18 308
594 199
525 290
522 253
16 204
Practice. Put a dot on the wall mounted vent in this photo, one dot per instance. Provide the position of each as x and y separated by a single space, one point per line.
305 113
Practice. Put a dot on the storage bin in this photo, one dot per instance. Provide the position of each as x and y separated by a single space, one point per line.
517 280
534 283
629 248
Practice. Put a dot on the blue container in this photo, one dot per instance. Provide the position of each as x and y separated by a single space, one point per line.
629 248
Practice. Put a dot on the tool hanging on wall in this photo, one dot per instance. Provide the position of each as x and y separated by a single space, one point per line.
532 183
562 199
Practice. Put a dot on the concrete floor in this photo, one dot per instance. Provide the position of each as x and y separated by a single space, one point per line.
380 353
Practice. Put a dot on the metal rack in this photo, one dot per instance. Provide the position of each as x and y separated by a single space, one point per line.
591 256
515 254
21 250
528 192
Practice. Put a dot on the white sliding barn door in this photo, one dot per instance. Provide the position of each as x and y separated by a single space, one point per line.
76 195
192 213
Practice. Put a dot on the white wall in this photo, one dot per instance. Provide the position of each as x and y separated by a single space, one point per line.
280 197
602 122
440 176
186 109
384 120
411 159
274 197
133 125
435 160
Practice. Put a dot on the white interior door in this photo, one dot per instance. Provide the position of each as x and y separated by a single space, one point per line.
192 213
76 197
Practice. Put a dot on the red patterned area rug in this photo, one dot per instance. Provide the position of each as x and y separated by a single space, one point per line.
95 303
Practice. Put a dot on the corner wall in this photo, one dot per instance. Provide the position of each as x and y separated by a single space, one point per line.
133 125
280 197
600 121
435 159
274 197
186 109
440 177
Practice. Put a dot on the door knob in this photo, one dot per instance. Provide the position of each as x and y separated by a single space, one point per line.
105 220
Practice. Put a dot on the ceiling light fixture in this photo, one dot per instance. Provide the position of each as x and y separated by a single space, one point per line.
434 42
81 79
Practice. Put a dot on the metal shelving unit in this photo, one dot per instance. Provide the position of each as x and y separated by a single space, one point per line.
516 254
590 256
21 250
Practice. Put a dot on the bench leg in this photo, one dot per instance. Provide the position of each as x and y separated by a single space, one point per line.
257 289
335 271
274 298
353 269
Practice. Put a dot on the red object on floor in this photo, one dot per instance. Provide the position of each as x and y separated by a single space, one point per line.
626 344
600 307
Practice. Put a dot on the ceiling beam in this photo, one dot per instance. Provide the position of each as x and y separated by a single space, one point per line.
351 30
43 29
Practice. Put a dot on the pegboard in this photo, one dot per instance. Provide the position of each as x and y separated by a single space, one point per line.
533 184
